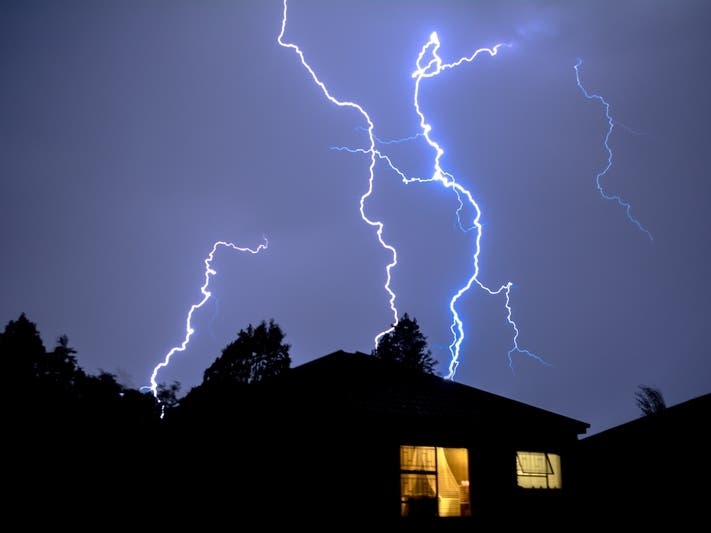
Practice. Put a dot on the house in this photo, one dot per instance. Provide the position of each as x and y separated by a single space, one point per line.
651 470
350 438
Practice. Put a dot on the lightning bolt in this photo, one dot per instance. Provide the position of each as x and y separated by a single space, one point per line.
378 225
611 125
209 272
425 69
429 66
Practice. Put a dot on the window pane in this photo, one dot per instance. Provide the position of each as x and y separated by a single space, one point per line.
537 470
434 481
453 481
418 485
418 495
420 458
555 481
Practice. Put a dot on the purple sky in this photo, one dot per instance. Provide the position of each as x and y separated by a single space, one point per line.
133 135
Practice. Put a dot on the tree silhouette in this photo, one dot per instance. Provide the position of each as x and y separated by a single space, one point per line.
406 345
50 389
28 363
257 354
650 400
59 369
168 394
22 353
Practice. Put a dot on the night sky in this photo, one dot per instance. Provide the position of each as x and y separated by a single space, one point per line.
134 135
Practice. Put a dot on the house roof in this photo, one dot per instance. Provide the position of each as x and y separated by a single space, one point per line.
366 384
681 421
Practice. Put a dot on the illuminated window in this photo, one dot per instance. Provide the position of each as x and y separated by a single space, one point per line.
434 481
537 470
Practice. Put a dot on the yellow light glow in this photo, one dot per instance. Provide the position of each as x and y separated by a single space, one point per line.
538 470
434 481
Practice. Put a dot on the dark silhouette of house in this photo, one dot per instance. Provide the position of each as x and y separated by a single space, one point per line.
349 438
650 471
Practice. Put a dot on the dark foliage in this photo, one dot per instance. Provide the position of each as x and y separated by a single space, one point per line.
48 388
649 400
257 354
407 346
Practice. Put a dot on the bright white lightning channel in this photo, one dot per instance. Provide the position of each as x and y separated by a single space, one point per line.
378 225
431 68
209 272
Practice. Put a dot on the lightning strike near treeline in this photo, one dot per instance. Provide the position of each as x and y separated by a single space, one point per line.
611 125
189 330
429 69
428 65
378 225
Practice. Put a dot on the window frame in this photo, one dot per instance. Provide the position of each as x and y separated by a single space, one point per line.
553 476
431 504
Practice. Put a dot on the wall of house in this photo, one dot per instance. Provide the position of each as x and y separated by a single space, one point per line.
650 471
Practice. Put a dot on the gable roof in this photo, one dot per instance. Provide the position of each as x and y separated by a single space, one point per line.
685 420
365 384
